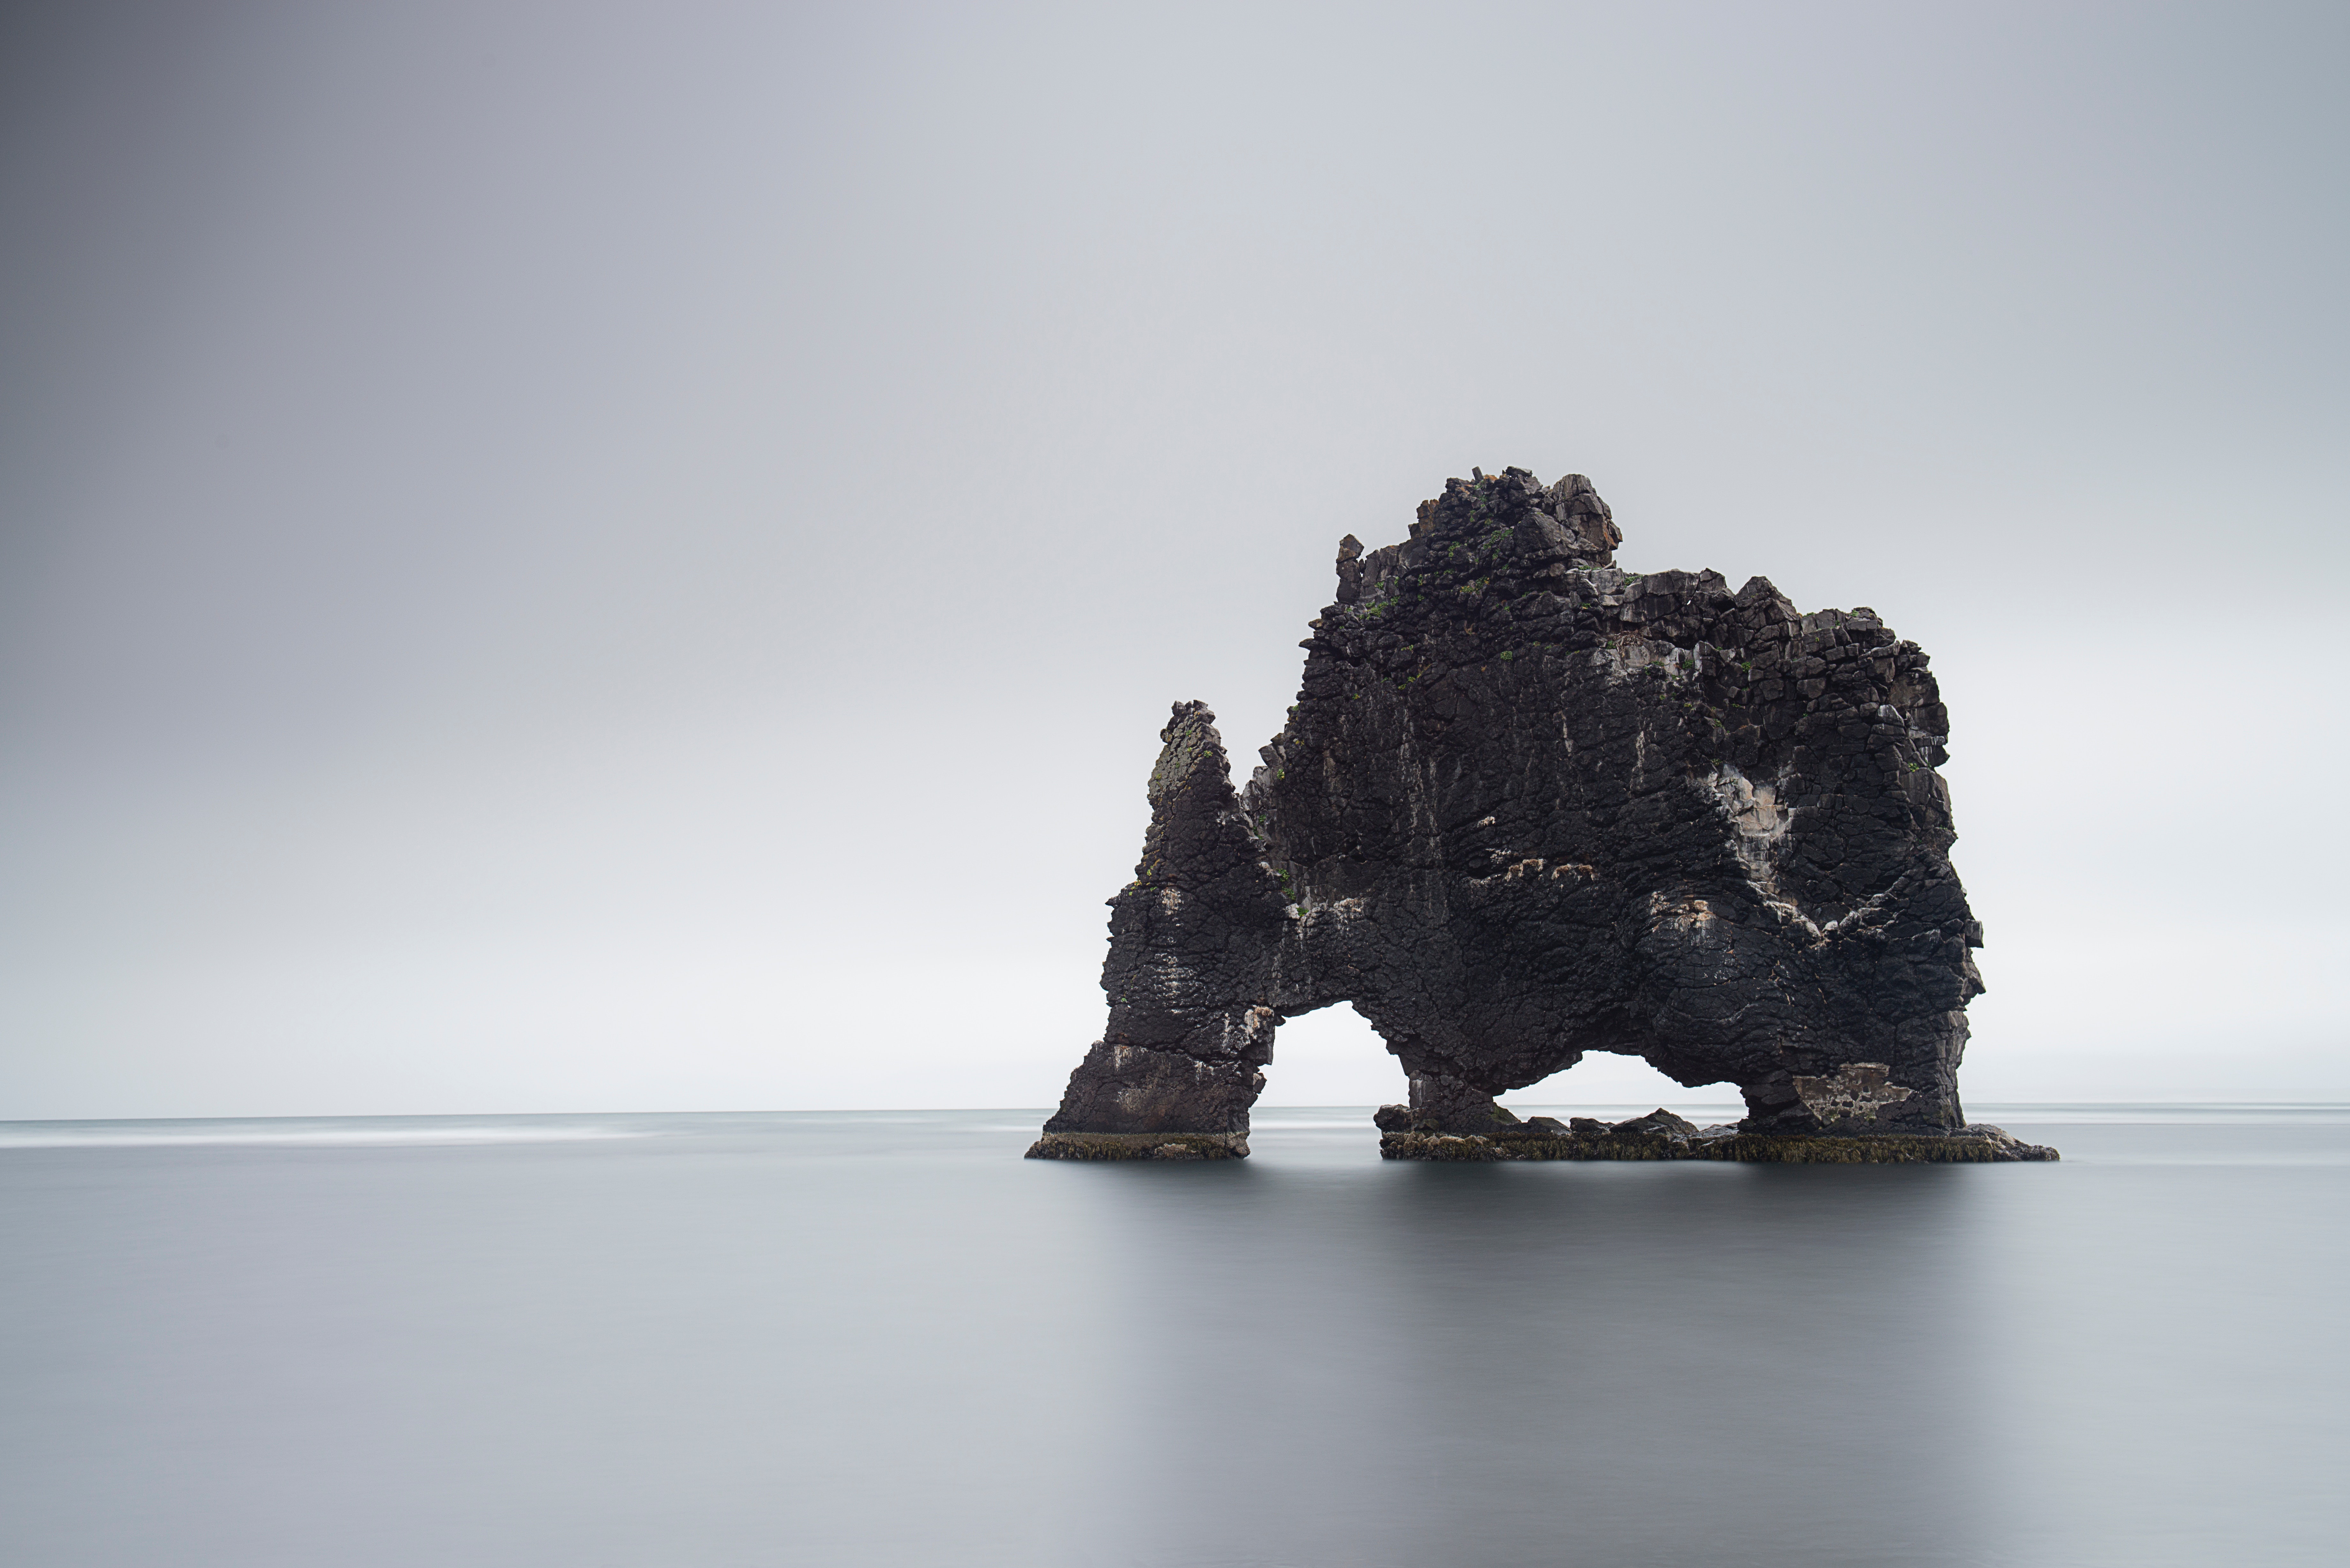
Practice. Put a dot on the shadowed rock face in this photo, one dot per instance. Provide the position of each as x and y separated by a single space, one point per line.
1529 805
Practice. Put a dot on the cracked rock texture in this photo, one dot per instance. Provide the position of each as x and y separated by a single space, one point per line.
1530 805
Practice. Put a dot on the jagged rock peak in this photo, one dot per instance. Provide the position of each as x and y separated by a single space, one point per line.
1585 529
1509 522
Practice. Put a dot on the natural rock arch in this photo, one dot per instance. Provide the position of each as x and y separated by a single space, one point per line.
1530 805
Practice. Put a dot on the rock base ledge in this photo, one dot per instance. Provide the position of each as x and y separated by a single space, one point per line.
1975 1145
1140 1146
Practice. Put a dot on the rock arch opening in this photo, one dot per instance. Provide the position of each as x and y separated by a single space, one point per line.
1331 1056
1610 1086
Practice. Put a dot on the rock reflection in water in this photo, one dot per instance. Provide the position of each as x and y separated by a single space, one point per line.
1499 1365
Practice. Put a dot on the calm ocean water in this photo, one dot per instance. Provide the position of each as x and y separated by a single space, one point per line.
883 1339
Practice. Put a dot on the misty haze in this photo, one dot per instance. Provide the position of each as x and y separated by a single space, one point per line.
587 596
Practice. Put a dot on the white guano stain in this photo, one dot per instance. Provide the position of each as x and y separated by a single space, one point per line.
1759 822
1858 1091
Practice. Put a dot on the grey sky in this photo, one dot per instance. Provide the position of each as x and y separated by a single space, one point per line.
593 555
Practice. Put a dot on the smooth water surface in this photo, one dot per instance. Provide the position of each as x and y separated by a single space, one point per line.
884 1339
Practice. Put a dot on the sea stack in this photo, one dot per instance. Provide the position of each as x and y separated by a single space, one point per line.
1530 805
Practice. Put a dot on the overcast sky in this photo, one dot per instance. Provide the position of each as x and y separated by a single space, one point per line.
599 555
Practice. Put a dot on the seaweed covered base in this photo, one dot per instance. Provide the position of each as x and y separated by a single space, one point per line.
1659 1136
1664 1136
1139 1146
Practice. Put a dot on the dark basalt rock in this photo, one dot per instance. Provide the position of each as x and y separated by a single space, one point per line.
1530 805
